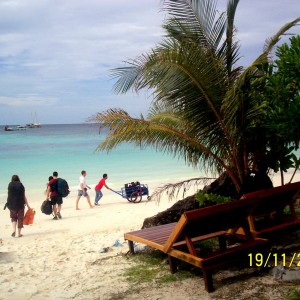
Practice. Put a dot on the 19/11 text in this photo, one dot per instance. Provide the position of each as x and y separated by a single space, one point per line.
261 260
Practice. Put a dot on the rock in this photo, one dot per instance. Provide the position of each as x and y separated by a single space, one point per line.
173 213
291 275
106 249
222 186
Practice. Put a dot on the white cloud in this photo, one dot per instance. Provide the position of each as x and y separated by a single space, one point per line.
27 100
70 39
55 51
258 20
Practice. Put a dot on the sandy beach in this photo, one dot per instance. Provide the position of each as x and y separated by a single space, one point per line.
59 259
66 259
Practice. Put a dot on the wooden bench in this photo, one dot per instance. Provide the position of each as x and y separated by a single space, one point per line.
274 212
178 240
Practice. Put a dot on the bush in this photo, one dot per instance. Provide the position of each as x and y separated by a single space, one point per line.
207 199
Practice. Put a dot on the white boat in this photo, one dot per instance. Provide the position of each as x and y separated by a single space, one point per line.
35 123
7 128
14 128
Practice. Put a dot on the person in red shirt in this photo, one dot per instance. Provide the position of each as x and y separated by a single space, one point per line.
98 188
55 198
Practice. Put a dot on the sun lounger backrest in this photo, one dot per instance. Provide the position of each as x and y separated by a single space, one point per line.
218 217
208 220
275 199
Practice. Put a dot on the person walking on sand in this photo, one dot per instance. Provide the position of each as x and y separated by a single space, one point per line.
82 190
98 188
50 178
16 201
55 198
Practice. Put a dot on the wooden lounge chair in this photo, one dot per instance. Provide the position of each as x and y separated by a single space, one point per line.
274 213
178 240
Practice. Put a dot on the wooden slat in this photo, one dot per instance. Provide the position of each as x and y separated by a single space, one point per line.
175 233
202 238
275 229
159 228
190 245
154 233
154 244
220 257
154 237
291 187
161 240
137 238
191 259
272 202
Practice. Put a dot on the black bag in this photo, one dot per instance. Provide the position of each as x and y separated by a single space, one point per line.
62 187
46 207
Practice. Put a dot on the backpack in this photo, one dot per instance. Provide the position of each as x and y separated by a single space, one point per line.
62 187
46 207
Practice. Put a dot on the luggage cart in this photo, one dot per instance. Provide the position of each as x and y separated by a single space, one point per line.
134 192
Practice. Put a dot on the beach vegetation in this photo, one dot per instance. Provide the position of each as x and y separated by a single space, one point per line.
205 199
150 266
140 274
293 295
206 108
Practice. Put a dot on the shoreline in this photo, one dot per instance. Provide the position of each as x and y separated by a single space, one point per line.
38 193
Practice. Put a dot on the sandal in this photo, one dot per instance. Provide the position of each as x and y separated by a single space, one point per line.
13 234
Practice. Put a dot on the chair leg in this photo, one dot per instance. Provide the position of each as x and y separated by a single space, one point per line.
173 264
131 247
222 243
208 281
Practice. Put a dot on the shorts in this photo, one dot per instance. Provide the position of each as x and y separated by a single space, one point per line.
56 200
81 193
17 216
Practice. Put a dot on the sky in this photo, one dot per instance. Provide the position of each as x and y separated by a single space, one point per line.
56 56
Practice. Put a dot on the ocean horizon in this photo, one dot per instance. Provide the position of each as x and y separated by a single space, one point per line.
35 153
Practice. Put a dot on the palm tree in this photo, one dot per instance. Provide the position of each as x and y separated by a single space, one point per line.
201 108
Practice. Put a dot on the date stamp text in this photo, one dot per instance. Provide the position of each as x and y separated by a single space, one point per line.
275 259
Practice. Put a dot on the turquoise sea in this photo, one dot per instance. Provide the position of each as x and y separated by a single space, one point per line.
35 153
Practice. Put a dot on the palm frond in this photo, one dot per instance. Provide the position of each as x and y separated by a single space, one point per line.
173 189
235 98
272 41
232 47
130 76
195 20
165 132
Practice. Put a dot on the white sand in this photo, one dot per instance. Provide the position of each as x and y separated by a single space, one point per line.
63 259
